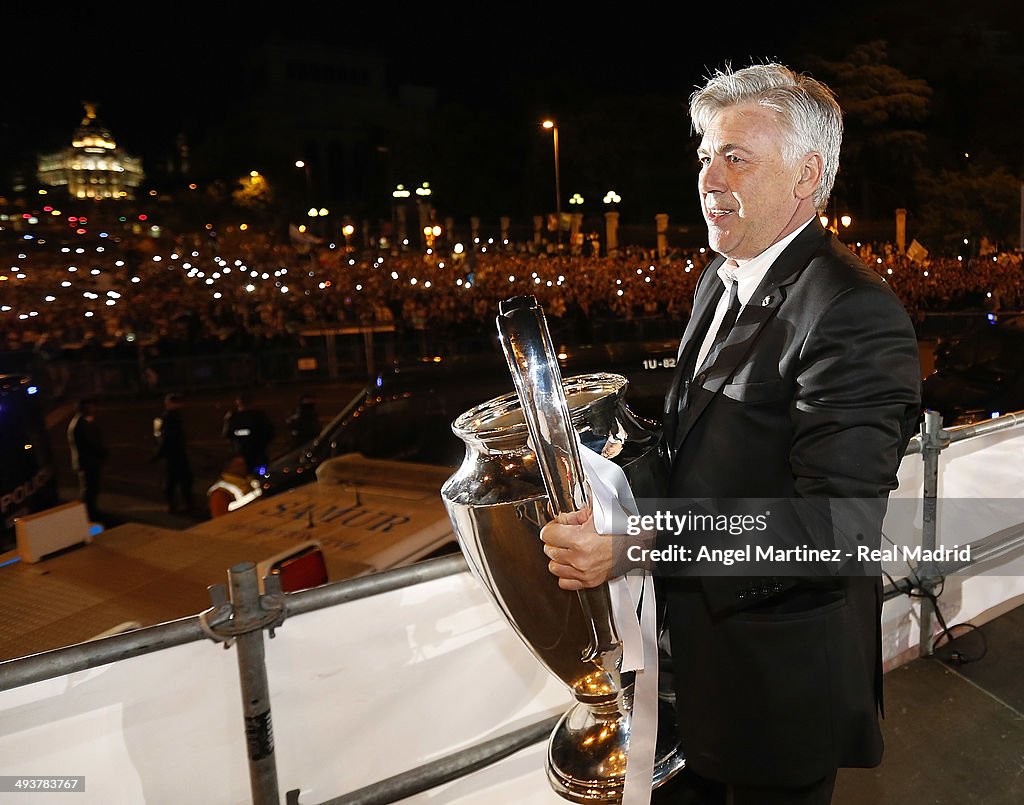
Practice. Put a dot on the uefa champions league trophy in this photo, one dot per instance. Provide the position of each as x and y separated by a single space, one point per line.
522 467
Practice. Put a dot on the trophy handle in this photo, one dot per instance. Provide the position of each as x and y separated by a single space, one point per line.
526 342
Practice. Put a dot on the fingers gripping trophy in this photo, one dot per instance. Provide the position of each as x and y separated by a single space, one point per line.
523 467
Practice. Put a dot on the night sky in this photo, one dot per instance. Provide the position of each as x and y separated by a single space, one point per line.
150 68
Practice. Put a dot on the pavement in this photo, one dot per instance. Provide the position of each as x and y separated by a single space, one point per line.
953 730
118 509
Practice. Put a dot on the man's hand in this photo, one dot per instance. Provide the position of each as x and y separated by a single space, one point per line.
580 557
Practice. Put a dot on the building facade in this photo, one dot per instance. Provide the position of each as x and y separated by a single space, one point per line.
93 167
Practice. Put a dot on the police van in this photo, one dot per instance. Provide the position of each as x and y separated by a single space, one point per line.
28 479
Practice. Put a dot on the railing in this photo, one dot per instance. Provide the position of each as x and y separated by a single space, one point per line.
932 440
240 619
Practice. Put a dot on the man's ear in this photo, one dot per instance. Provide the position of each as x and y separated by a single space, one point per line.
809 178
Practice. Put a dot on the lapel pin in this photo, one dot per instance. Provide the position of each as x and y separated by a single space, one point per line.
766 301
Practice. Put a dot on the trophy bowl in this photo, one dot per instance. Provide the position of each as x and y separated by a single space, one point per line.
497 503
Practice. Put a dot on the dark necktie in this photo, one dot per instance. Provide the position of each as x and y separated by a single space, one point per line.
731 314
728 320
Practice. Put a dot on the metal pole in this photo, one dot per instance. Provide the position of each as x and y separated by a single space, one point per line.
371 369
932 442
341 592
445 769
94 653
962 432
558 189
252 675
332 356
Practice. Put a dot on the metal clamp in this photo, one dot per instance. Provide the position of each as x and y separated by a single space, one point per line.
222 622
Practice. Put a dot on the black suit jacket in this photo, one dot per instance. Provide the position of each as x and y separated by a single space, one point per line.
813 397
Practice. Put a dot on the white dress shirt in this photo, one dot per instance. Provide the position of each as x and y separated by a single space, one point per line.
749 276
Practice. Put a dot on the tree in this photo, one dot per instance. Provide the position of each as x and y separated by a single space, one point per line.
253 193
883 147
971 203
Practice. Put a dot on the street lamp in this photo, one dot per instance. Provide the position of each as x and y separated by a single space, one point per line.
399 194
430 234
423 194
323 212
611 224
309 179
550 124
833 224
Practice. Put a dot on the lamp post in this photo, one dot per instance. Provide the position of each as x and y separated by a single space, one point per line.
844 220
576 225
611 222
423 194
550 124
321 213
399 195
309 179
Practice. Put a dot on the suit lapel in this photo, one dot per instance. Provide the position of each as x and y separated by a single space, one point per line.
763 305
704 300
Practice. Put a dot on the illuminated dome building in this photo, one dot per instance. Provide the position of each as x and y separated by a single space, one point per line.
93 167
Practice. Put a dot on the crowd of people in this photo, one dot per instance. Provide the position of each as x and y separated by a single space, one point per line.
147 300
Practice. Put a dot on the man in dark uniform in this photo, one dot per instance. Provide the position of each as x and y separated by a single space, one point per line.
250 432
304 423
88 452
172 449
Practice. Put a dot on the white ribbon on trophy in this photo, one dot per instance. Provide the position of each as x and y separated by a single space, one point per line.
612 502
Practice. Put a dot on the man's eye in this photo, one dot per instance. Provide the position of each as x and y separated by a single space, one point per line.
704 160
735 160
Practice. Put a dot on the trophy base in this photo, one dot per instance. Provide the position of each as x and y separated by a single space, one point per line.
587 753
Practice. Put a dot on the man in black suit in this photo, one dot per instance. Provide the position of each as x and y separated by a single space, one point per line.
172 448
798 383
250 432
88 452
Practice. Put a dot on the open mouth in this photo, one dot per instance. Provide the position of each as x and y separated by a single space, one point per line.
717 216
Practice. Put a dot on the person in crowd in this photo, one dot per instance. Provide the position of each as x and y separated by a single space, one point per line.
172 449
88 453
304 422
250 432
798 381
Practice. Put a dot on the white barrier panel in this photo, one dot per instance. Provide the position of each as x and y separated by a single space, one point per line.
987 469
359 692
160 728
399 680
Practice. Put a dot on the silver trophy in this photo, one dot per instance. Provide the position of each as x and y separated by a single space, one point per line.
522 467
